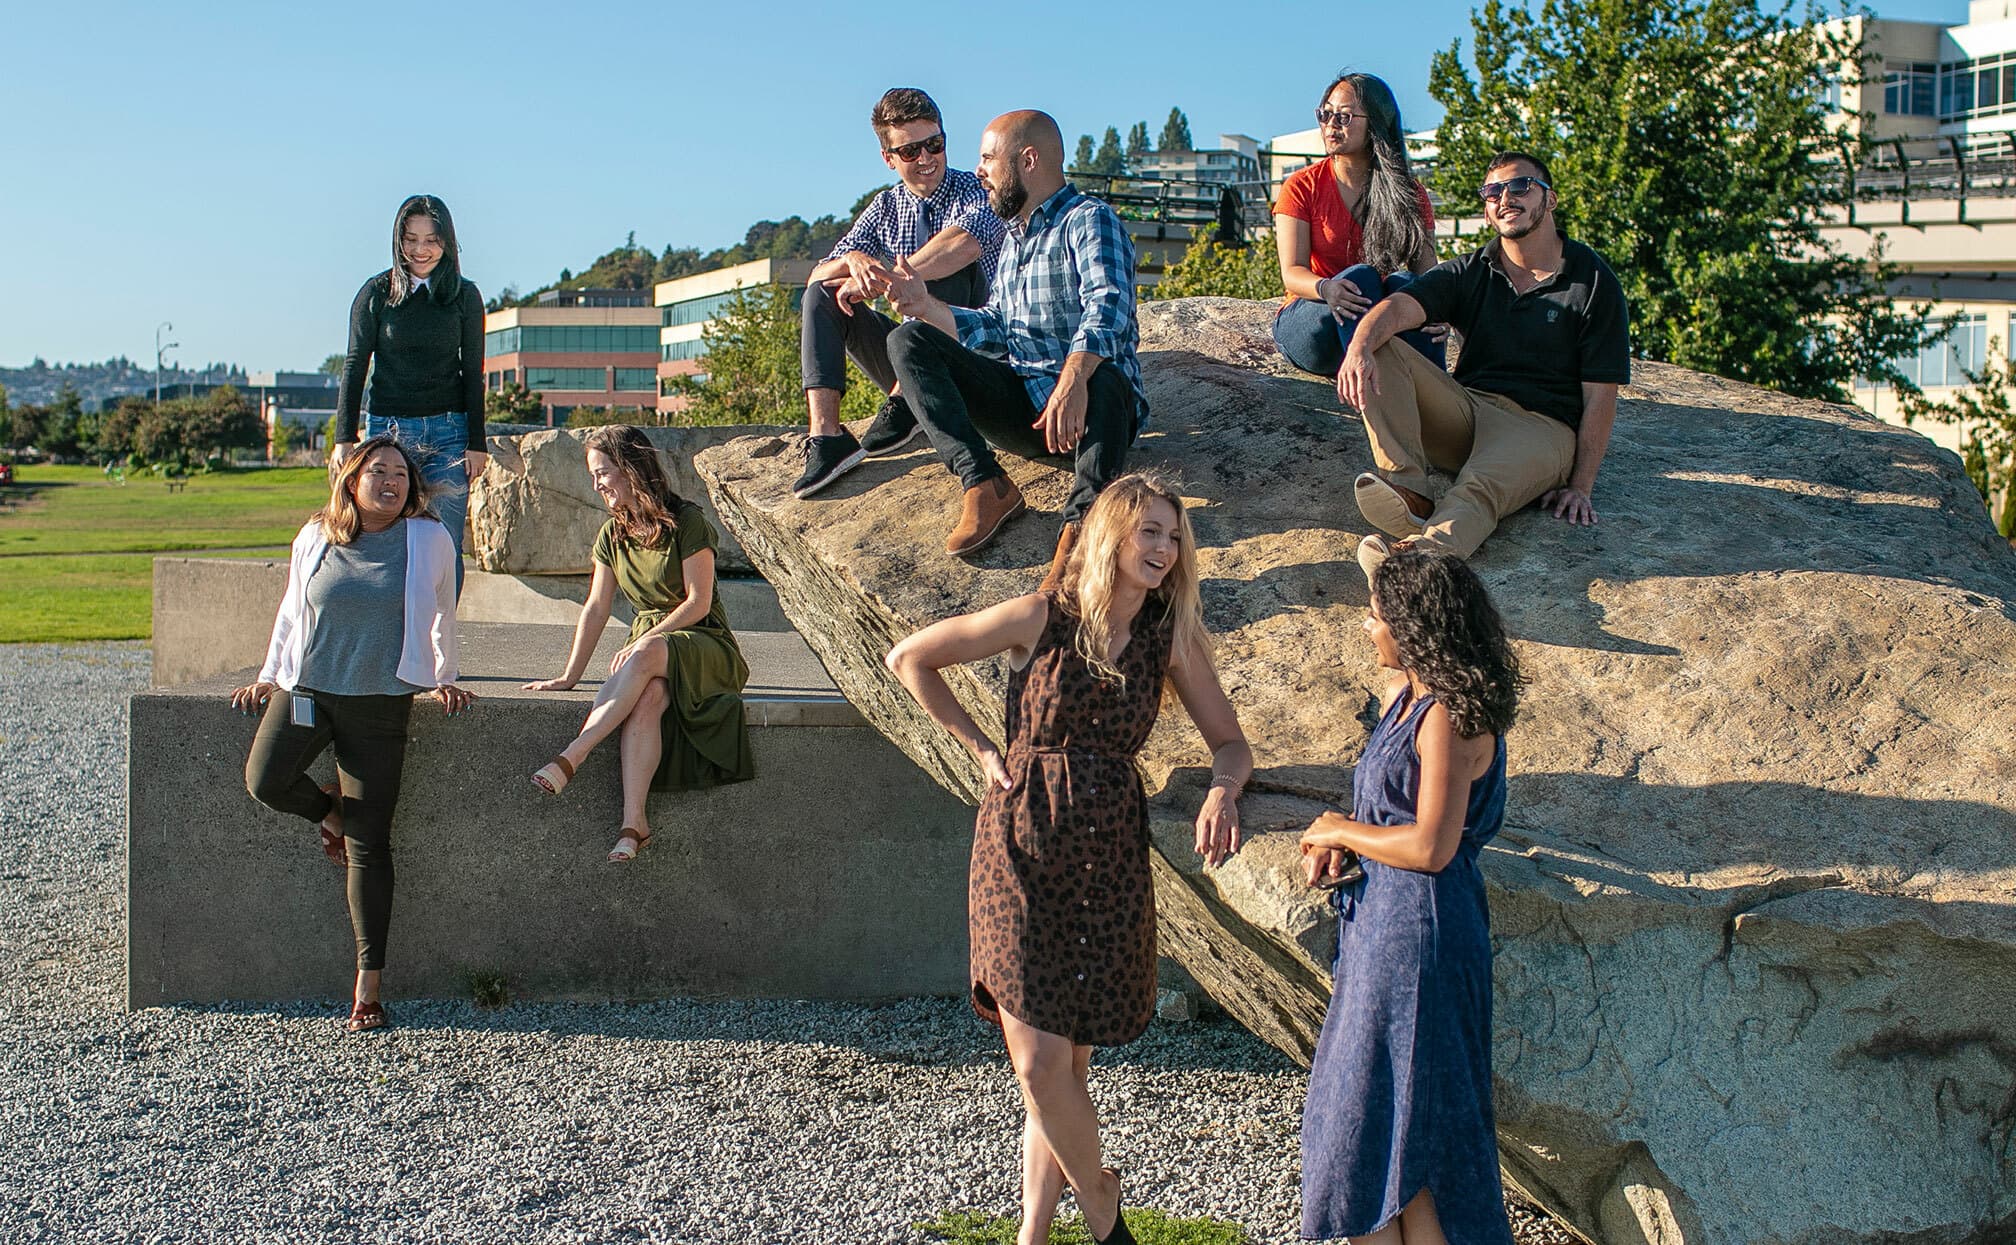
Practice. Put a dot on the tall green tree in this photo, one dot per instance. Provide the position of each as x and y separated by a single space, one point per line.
750 374
332 366
1082 162
1176 133
1110 161
1137 140
1689 145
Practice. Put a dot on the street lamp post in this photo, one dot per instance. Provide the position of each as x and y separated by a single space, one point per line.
160 350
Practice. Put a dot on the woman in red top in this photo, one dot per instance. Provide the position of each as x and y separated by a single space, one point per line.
1351 229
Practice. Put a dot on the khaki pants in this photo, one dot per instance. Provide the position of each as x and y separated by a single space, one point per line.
1503 455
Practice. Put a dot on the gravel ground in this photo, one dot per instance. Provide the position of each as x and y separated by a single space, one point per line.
679 1121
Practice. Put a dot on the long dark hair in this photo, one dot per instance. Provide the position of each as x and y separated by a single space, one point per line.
1450 637
1394 230
652 518
446 279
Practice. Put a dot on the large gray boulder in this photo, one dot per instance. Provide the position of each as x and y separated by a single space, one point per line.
1755 902
533 512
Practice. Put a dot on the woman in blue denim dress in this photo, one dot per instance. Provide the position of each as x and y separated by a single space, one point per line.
1399 1143
416 330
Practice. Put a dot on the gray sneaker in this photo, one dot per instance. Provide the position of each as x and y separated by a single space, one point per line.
826 460
893 428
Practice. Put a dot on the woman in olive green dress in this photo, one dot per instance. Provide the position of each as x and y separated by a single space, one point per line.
674 691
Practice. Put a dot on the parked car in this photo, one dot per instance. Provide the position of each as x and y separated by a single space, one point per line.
6 473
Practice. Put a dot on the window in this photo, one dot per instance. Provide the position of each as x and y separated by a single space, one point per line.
1948 362
581 338
1908 88
695 310
635 378
692 348
1982 87
503 341
593 379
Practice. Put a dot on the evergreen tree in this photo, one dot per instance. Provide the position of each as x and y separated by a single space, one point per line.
1109 160
1082 162
1689 145
1137 140
1176 133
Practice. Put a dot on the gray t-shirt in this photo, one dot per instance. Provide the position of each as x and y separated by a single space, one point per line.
358 601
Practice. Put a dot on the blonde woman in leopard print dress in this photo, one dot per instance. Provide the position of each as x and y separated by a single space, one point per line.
1061 902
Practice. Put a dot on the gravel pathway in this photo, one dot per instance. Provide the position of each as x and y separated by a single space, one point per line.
679 1121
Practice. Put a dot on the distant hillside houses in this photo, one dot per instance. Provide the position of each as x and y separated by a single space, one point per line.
102 384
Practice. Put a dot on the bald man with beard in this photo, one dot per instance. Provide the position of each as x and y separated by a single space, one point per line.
1048 368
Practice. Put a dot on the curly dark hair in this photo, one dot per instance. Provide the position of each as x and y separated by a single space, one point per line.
1450 637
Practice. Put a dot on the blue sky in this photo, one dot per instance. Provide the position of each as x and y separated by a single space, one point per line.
234 167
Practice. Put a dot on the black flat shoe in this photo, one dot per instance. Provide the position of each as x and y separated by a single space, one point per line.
826 460
1119 1234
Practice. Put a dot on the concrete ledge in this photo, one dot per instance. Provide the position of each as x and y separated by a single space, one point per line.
213 615
839 873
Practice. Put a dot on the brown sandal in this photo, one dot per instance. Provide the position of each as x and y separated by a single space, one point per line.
617 856
332 843
365 1017
553 777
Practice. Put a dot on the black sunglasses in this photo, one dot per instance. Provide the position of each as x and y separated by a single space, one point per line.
1514 186
909 152
1343 117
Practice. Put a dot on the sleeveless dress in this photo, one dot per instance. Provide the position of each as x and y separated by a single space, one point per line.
704 732
1061 903
1400 1091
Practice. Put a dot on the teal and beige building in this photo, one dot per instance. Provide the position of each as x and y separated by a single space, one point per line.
684 306
576 348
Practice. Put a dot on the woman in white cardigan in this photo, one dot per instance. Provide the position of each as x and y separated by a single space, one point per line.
367 623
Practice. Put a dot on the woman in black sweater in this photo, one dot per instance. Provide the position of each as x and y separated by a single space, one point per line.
422 325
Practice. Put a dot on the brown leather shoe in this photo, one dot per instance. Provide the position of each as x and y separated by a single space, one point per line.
1067 540
984 509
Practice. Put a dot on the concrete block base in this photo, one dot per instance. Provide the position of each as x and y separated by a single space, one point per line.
840 872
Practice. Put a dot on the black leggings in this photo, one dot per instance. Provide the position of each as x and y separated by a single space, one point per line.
370 737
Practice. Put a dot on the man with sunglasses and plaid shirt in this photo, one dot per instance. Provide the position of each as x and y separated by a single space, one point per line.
1545 343
1048 368
936 219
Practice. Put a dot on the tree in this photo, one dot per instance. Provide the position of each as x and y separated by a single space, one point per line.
1109 160
751 368
332 366
1689 145
64 426
1986 417
1176 132
1082 161
1211 267
513 404
1137 141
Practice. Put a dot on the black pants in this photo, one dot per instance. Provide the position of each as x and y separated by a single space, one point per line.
970 404
828 337
370 737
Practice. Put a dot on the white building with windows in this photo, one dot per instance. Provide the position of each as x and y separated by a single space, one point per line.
1939 191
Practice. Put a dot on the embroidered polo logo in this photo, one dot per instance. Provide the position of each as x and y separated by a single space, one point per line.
1553 314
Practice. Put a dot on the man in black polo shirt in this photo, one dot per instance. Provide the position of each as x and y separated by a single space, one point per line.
1546 343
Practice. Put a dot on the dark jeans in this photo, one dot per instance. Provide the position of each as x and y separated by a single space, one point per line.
970 404
1314 341
370 737
828 337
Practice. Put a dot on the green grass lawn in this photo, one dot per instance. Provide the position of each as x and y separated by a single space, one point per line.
76 549
77 510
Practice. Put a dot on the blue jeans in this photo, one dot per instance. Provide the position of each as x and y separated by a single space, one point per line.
441 444
1313 340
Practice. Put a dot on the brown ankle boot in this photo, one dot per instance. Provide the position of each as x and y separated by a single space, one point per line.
1067 540
984 509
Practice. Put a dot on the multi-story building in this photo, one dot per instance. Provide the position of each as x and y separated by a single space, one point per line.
1937 103
685 306
576 348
